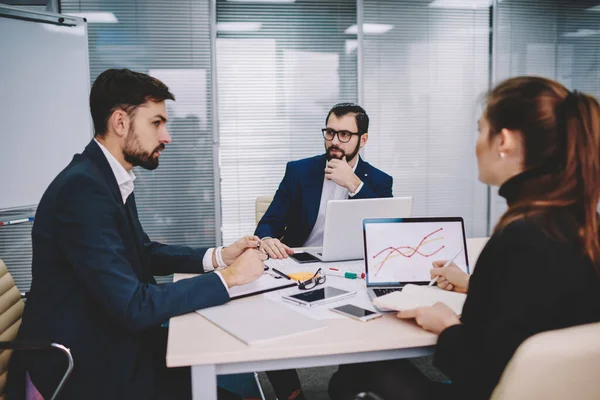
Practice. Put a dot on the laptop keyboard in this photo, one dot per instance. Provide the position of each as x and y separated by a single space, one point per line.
381 292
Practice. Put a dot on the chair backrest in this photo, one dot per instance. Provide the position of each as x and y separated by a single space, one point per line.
560 364
474 247
262 204
11 310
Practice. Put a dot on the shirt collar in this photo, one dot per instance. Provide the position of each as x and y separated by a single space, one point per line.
124 178
356 165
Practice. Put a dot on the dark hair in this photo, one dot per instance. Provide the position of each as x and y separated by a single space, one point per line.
341 109
122 89
561 133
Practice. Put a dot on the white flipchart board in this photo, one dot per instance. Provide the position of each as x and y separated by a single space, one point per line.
44 111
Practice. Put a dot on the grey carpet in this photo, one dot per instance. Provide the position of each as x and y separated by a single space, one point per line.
315 380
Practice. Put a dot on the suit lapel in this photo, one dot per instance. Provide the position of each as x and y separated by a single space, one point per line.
362 170
133 242
132 216
95 153
313 191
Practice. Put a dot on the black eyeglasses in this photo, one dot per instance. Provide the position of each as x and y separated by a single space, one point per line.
317 279
343 136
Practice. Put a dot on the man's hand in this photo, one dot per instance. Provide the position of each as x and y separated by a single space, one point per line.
245 269
433 319
341 173
233 251
275 249
451 278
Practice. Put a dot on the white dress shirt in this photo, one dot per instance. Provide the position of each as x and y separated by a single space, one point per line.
124 178
125 181
331 191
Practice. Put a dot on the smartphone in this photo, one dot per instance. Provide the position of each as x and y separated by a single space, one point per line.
304 258
318 296
355 312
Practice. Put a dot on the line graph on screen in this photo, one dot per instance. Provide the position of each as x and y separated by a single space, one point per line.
427 247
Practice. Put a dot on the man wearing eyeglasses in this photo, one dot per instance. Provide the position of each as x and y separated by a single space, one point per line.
296 217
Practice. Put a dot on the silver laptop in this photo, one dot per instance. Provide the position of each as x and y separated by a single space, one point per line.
342 237
399 251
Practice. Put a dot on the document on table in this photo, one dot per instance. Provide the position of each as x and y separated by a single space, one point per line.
258 319
266 283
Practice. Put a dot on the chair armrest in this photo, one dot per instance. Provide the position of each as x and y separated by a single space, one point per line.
367 396
42 345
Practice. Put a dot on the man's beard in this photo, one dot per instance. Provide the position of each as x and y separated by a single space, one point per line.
349 157
136 156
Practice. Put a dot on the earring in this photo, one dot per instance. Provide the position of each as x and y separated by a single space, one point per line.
502 154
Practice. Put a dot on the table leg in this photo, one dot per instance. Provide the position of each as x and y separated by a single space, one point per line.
204 382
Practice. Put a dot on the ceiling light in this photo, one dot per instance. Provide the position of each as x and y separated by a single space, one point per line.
581 33
239 26
94 17
369 29
461 4
262 1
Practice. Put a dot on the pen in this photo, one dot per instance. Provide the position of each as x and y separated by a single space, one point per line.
17 221
281 273
349 275
434 280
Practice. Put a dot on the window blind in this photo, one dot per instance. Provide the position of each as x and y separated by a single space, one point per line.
15 246
171 41
280 67
557 39
425 65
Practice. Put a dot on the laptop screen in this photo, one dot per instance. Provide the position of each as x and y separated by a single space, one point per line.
401 250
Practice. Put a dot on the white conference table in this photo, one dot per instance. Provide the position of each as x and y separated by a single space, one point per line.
210 351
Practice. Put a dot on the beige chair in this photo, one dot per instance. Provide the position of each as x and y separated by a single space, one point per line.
11 311
262 204
561 364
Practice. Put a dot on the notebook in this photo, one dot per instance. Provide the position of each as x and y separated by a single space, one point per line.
413 296
258 319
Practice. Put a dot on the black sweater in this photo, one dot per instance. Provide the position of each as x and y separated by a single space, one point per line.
525 282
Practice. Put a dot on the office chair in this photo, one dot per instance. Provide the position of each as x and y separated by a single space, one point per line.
11 311
559 364
262 204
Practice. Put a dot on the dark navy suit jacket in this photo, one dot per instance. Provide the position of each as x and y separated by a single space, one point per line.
93 288
295 207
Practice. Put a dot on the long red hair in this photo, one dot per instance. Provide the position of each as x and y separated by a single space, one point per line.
560 132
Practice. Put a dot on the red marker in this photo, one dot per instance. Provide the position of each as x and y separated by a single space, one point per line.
343 274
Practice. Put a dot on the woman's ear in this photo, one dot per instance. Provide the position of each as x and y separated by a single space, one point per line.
508 142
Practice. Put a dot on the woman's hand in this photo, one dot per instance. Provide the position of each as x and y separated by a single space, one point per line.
451 277
433 319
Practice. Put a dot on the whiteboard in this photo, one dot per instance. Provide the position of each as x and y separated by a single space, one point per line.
44 111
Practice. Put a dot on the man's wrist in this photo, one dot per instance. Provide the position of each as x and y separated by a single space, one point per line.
214 259
228 277
219 257
355 184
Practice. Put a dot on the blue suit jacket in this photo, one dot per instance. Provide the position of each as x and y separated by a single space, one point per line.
93 288
295 207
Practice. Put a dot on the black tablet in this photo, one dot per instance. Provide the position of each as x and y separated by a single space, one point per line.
304 258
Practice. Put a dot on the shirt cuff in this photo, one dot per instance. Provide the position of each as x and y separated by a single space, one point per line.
357 189
222 280
207 263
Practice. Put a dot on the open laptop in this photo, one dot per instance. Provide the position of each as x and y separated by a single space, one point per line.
342 237
399 251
